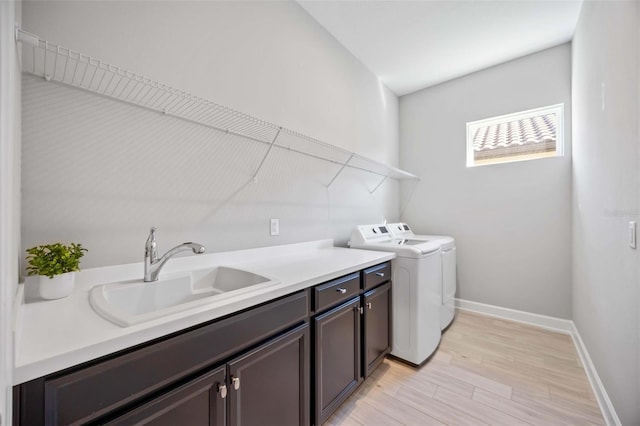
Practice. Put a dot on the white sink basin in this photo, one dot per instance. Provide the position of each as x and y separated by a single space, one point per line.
132 302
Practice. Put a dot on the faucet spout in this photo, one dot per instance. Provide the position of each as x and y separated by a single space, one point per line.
153 264
195 247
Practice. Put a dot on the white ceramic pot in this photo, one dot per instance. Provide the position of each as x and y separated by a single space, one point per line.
57 287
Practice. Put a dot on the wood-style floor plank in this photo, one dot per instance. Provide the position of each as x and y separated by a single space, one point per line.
485 371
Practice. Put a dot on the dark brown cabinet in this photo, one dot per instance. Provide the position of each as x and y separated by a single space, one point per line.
337 357
260 387
290 361
352 339
376 336
200 402
147 378
270 385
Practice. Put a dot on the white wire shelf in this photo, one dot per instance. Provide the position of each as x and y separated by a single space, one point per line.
67 67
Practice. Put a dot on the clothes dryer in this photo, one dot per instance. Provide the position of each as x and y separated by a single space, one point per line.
416 290
448 257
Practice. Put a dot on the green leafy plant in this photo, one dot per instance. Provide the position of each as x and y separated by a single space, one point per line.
54 259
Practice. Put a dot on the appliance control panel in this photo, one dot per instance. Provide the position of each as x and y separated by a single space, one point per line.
370 233
373 231
400 230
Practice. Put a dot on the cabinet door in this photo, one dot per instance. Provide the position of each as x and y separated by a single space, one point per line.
377 336
198 403
270 385
337 357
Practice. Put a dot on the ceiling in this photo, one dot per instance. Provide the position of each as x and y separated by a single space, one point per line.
411 45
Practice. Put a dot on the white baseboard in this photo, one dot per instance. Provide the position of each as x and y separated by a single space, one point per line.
558 325
608 411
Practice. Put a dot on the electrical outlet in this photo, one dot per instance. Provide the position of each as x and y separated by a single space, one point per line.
632 234
275 227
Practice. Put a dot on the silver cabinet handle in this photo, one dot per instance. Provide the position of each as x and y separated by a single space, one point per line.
235 382
223 390
341 290
380 274
369 305
361 309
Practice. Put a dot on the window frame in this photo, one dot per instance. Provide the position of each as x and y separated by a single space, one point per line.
557 109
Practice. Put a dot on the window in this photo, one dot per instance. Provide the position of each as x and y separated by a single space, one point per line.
526 135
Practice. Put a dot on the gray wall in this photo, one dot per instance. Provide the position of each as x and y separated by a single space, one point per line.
606 294
512 222
99 172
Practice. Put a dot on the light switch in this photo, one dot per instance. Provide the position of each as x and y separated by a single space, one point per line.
632 235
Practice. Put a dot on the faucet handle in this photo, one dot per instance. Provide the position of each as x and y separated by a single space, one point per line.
152 235
151 247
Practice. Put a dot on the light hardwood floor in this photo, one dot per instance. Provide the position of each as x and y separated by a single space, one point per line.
486 371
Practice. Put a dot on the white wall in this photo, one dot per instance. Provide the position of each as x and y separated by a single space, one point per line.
512 222
606 294
101 173
9 195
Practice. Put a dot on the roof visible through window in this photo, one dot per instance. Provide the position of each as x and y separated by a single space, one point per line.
515 137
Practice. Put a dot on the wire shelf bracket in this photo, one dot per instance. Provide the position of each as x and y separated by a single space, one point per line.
266 154
378 185
346 163
66 67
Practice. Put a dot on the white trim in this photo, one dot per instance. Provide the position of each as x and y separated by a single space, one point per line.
18 302
606 406
518 115
558 325
7 194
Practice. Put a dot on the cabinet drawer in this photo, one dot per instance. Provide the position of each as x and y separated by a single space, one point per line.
91 392
376 275
333 292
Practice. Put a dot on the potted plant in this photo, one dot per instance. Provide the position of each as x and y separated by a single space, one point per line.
55 265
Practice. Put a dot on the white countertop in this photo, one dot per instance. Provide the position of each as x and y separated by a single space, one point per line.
57 334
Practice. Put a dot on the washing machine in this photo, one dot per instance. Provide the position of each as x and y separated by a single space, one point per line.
416 297
448 257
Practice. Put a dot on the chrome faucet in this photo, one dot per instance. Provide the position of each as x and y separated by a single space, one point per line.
153 265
